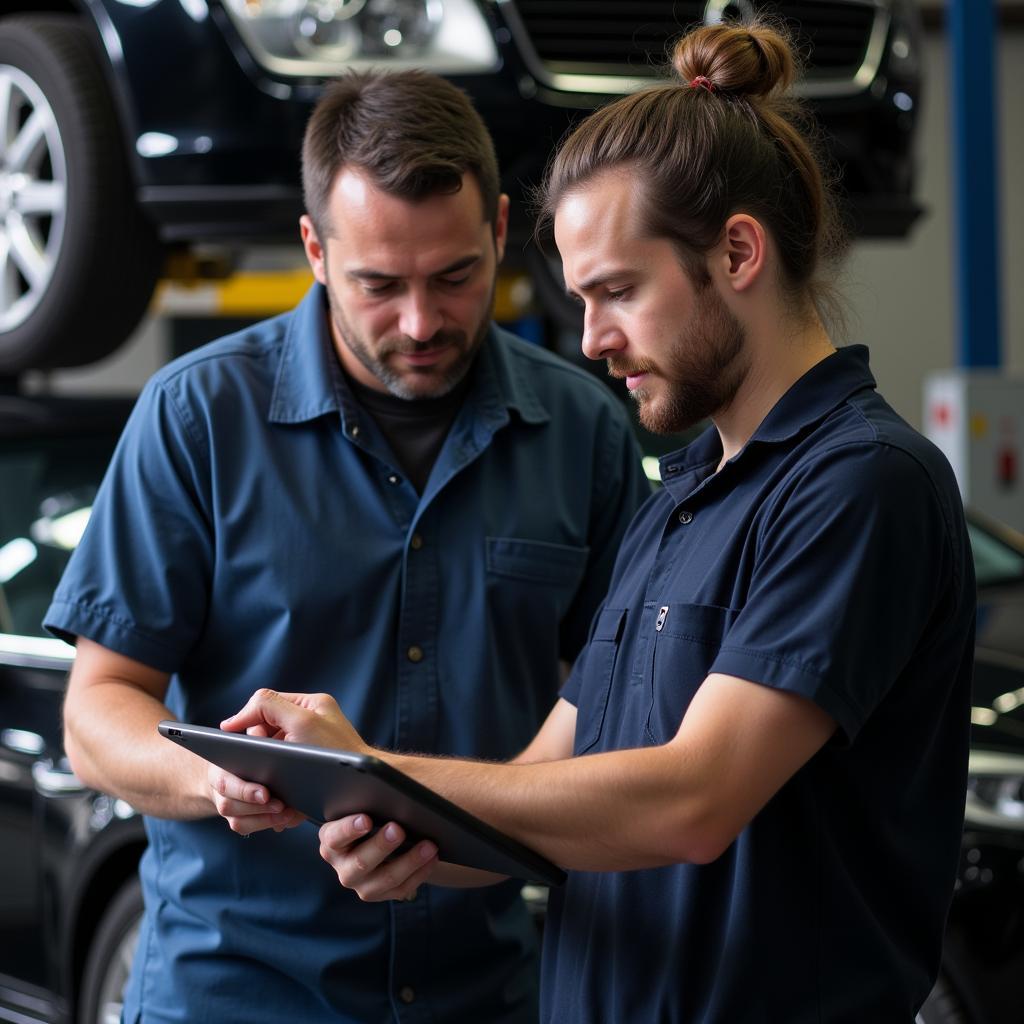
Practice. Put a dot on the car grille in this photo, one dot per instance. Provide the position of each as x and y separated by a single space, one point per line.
633 37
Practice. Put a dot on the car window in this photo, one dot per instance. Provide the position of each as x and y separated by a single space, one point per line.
995 560
47 486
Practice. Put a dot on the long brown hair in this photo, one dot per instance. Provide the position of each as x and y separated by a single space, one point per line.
412 133
727 137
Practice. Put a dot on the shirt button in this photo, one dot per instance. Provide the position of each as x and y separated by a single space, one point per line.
354 430
685 517
416 543
393 479
407 994
414 653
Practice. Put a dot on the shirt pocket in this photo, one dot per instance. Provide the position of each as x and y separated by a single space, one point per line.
537 561
598 670
530 586
684 650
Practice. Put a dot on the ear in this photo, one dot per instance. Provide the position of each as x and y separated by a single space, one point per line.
742 253
501 226
314 250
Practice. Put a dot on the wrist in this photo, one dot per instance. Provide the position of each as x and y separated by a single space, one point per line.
201 789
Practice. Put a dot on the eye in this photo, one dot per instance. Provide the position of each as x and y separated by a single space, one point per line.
378 289
454 282
618 294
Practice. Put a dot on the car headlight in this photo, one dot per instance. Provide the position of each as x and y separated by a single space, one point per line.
904 39
995 791
323 37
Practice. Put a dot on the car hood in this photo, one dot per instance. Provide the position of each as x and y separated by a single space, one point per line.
999 669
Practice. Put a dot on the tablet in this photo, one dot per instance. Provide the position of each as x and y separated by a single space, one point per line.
327 784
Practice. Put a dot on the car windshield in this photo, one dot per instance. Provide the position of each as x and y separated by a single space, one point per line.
47 487
996 559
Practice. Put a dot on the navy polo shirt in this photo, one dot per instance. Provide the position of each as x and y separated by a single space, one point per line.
254 529
828 558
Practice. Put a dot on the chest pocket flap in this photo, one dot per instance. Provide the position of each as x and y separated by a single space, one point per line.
598 670
537 560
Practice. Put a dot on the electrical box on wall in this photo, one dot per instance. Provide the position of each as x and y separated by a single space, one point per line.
977 418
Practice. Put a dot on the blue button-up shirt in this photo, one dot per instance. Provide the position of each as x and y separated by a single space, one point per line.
829 558
254 529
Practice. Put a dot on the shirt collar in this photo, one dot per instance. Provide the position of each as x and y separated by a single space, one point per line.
503 383
310 382
823 387
826 385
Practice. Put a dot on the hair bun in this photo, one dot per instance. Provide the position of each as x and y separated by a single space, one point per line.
740 60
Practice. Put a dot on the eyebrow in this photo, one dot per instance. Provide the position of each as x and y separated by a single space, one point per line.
369 274
595 282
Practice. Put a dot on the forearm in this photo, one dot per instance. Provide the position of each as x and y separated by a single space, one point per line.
607 812
685 801
113 745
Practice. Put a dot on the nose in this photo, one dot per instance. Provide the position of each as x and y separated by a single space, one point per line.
420 317
602 337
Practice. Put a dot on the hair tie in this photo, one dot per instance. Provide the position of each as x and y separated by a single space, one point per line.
702 82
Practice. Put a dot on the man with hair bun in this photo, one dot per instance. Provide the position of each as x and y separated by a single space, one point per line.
755 773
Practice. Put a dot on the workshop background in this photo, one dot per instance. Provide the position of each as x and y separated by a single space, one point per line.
933 286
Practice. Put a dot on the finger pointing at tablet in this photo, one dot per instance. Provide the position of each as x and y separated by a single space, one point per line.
313 718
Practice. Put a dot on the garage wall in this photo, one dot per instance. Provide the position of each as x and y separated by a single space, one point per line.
900 292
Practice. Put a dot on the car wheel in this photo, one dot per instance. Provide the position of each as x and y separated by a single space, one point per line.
78 261
110 957
942 1006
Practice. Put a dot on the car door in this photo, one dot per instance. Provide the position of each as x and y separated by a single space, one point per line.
32 672
52 456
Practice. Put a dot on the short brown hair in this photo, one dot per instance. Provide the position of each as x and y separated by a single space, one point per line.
727 138
413 133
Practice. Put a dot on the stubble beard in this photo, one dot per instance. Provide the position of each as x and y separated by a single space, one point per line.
376 361
700 374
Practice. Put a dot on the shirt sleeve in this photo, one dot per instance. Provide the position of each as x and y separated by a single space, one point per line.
138 583
620 488
851 562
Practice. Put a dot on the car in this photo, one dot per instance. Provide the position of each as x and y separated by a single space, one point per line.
69 893
984 949
135 134
71 901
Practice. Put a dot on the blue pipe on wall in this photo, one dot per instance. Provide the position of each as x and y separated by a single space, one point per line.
971 34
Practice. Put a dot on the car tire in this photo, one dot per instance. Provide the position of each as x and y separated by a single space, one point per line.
78 261
110 957
943 1006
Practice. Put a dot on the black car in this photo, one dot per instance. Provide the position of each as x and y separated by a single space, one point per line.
71 902
68 856
984 951
130 127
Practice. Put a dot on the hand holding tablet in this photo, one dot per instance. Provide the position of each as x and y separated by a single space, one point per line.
327 784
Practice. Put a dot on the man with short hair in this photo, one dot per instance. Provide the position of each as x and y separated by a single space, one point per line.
756 772
379 495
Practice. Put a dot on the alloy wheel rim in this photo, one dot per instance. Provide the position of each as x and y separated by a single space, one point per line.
33 196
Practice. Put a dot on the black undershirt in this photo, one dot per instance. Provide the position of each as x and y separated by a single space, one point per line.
415 429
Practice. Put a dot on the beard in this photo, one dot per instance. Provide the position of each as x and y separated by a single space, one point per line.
701 371
414 382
